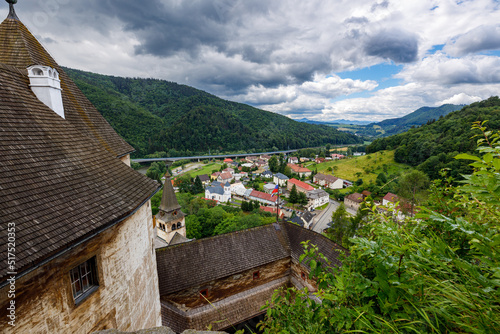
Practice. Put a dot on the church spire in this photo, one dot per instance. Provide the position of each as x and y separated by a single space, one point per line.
12 12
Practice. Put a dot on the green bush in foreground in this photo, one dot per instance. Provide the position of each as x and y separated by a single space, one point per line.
436 273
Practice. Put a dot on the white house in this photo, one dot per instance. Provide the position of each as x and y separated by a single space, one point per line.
221 194
280 179
317 197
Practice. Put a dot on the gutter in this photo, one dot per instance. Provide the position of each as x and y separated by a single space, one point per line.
67 249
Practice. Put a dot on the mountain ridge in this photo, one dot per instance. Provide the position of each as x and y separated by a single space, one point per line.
161 116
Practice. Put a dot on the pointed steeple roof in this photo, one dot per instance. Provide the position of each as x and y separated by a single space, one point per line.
19 48
168 200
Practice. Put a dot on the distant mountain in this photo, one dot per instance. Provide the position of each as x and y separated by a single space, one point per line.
416 118
433 146
161 116
337 121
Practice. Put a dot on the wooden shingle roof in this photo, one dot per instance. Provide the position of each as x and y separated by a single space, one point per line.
57 186
19 48
201 261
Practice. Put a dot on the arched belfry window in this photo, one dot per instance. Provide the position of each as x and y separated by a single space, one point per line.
173 227
179 225
37 71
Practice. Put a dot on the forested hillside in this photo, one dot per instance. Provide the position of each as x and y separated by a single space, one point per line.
160 116
433 146
416 118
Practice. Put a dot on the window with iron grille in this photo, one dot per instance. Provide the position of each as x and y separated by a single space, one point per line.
84 279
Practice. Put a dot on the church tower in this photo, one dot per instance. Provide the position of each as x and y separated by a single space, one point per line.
170 219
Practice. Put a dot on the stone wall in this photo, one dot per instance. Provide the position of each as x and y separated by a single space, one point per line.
127 297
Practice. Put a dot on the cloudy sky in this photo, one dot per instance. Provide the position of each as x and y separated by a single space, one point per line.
324 60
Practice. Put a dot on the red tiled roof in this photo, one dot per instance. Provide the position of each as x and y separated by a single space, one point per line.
356 197
264 196
391 198
298 169
301 184
228 160
226 176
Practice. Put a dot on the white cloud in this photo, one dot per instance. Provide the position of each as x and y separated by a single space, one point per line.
461 98
440 68
275 54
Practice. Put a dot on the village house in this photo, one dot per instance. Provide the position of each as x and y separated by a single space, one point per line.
225 177
353 201
280 179
390 198
265 157
238 189
301 171
220 192
267 174
205 179
293 160
228 161
263 198
328 181
317 198
319 160
301 186
84 232
215 175
336 156
228 170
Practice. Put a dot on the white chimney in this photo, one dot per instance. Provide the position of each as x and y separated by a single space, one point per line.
45 83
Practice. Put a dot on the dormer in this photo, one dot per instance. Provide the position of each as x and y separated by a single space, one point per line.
45 83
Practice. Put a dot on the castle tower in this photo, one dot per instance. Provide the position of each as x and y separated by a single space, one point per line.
170 219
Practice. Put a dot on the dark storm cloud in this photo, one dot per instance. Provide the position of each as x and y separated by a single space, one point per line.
397 45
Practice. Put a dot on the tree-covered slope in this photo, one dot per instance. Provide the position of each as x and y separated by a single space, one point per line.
160 116
418 117
433 146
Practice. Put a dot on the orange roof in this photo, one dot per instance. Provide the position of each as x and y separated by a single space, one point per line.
264 196
303 185
391 197
228 160
298 169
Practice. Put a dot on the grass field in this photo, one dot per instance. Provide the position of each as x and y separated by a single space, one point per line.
368 166
207 169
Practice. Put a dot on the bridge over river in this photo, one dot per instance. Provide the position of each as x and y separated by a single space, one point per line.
202 157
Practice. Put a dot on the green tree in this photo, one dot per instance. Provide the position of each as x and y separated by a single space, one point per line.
294 196
273 164
412 186
156 171
381 179
197 186
302 199
341 225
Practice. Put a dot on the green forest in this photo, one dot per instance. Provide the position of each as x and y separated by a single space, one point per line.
433 146
161 116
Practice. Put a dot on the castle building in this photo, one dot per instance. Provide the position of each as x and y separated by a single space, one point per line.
76 230
224 280
170 221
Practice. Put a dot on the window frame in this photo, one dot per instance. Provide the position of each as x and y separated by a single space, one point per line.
86 276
